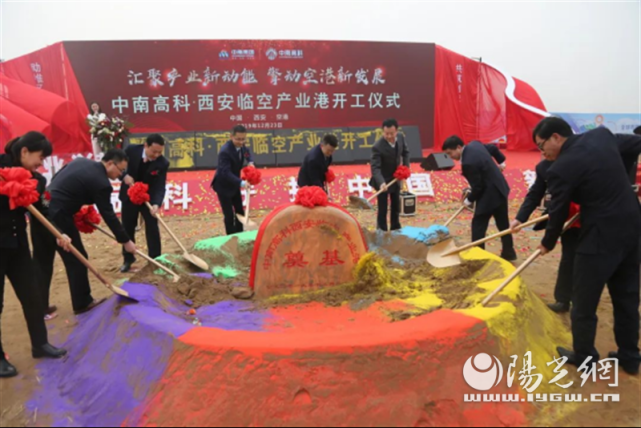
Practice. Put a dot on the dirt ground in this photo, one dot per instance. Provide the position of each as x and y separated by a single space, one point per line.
106 256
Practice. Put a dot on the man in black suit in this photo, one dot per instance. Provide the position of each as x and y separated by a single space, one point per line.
569 239
388 154
589 171
85 182
317 163
227 183
146 165
490 190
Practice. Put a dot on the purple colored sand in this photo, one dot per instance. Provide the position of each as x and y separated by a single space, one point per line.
119 351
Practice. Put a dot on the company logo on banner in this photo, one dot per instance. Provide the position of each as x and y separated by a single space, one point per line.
272 54
223 55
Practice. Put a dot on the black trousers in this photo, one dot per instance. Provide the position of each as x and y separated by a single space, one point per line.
130 213
44 253
16 264
620 270
232 206
481 222
565 279
386 199
77 273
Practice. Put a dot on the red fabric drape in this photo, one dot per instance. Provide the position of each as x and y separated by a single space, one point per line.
44 84
470 101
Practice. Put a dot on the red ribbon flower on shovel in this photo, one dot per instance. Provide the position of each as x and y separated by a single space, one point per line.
251 175
139 194
86 218
19 185
330 177
402 173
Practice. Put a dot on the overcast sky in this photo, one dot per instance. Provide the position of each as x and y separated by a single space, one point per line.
580 56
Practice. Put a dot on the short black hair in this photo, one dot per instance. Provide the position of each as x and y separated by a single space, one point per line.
239 129
453 143
552 125
33 141
330 139
637 130
116 156
388 123
155 139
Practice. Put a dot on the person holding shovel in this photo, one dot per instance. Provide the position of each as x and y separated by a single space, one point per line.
388 154
589 171
85 182
227 182
490 190
28 152
317 163
146 165
569 239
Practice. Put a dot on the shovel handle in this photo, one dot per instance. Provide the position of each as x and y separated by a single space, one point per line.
174 237
511 278
380 192
248 193
140 253
496 235
456 214
524 266
51 228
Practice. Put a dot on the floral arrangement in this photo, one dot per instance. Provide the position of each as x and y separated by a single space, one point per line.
110 133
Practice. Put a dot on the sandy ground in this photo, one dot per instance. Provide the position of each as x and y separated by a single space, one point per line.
540 277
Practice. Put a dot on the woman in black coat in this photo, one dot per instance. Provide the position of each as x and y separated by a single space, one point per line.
29 152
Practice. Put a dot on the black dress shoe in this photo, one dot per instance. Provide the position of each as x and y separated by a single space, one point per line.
630 367
91 306
7 370
48 351
559 308
510 257
126 267
573 360
570 355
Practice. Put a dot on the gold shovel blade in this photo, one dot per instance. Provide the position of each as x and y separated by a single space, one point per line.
435 254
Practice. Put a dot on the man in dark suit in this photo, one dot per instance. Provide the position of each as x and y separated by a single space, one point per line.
146 165
317 163
589 171
569 239
490 190
388 154
227 183
85 182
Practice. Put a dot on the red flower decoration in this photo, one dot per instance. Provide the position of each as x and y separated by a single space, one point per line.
154 173
311 196
139 194
402 173
85 218
330 176
251 175
47 196
18 184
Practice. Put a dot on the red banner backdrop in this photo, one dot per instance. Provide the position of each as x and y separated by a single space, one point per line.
211 85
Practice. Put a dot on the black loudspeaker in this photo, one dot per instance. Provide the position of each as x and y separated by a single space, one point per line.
438 162
408 204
